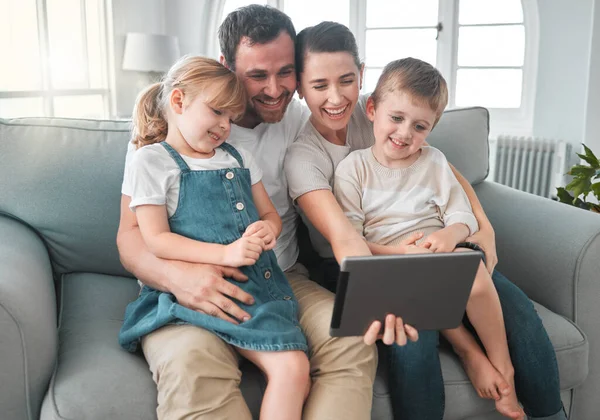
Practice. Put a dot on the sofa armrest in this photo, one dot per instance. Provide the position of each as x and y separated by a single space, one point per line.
28 333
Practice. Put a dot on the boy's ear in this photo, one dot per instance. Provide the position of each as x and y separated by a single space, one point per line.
370 109
176 101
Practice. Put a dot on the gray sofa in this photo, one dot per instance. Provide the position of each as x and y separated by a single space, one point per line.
63 290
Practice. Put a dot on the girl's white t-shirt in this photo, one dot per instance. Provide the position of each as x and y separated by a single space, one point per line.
153 176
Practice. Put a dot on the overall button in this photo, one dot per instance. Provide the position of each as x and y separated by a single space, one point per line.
239 206
267 274
287 297
229 175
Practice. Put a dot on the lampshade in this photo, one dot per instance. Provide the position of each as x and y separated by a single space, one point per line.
150 52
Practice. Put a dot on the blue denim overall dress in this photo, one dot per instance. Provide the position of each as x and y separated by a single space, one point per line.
216 206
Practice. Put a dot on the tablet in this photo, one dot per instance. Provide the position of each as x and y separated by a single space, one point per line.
429 291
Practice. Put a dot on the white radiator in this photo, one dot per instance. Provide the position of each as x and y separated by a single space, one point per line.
529 164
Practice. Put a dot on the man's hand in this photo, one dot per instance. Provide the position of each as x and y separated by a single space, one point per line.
264 231
395 331
486 239
203 288
445 240
244 251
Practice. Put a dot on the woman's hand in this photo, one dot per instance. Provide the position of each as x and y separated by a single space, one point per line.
395 331
486 239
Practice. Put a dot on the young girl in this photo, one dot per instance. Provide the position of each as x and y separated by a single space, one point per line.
330 76
201 200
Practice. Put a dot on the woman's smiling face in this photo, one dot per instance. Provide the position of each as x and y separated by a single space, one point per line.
330 85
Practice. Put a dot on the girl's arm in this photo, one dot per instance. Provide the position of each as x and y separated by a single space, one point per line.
154 226
266 210
322 209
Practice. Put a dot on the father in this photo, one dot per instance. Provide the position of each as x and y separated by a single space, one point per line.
196 372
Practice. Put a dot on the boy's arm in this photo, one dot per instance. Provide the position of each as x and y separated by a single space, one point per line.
154 226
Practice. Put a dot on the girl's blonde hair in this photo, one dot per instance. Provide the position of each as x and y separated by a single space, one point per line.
193 75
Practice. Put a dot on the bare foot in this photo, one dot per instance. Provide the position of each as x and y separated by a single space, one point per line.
509 407
486 380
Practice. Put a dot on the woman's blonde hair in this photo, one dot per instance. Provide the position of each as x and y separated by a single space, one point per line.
192 75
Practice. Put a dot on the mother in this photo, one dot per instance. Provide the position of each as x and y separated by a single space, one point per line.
330 77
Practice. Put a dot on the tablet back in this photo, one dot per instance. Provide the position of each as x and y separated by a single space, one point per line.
429 291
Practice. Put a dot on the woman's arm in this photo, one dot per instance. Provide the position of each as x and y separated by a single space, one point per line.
154 226
485 237
327 217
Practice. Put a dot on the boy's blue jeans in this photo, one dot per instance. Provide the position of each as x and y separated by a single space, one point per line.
416 384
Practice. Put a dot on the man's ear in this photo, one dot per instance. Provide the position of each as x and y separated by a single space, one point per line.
370 109
223 61
176 101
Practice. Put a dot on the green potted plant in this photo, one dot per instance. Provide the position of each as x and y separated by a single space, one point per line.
583 183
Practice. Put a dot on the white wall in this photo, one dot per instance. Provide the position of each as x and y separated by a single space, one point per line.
592 127
132 16
563 69
188 21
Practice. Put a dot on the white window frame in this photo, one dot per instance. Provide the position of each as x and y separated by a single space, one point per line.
514 121
48 93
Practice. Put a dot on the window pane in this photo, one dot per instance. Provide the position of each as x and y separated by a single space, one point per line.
68 67
21 107
81 106
310 12
96 45
493 88
491 46
370 79
489 11
20 68
401 13
385 45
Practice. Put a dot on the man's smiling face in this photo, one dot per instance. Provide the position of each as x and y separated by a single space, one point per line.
269 75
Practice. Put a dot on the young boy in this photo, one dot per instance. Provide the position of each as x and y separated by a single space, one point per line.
401 186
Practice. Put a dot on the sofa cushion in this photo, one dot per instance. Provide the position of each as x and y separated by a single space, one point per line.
50 188
93 373
462 134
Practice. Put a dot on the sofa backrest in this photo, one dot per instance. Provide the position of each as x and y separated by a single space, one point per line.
63 178
462 134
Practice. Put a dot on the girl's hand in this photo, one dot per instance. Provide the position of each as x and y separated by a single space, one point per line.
264 231
445 240
486 239
244 251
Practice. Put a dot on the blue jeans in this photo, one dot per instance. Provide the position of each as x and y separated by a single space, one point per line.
416 384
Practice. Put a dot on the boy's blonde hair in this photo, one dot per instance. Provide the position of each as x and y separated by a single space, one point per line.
192 75
419 79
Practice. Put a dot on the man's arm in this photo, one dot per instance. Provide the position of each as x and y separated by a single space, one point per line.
199 287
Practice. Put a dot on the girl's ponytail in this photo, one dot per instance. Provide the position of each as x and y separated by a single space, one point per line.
149 122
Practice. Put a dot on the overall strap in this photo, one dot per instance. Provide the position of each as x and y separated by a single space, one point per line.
183 167
233 152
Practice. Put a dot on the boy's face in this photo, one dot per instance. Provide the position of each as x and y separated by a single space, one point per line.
268 73
400 124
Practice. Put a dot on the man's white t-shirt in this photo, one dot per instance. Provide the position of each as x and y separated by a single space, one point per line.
154 176
268 144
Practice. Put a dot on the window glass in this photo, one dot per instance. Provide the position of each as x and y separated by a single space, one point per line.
21 107
310 12
19 42
79 106
489 11
401 13
492 88
385 45
491 45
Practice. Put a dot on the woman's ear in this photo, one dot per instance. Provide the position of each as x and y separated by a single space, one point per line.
299 90
176 101
370 109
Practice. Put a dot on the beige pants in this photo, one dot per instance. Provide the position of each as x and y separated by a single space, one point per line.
198 377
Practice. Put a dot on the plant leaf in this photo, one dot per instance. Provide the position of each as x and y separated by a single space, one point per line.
580 170
596 189
580 186
589 157
564 196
